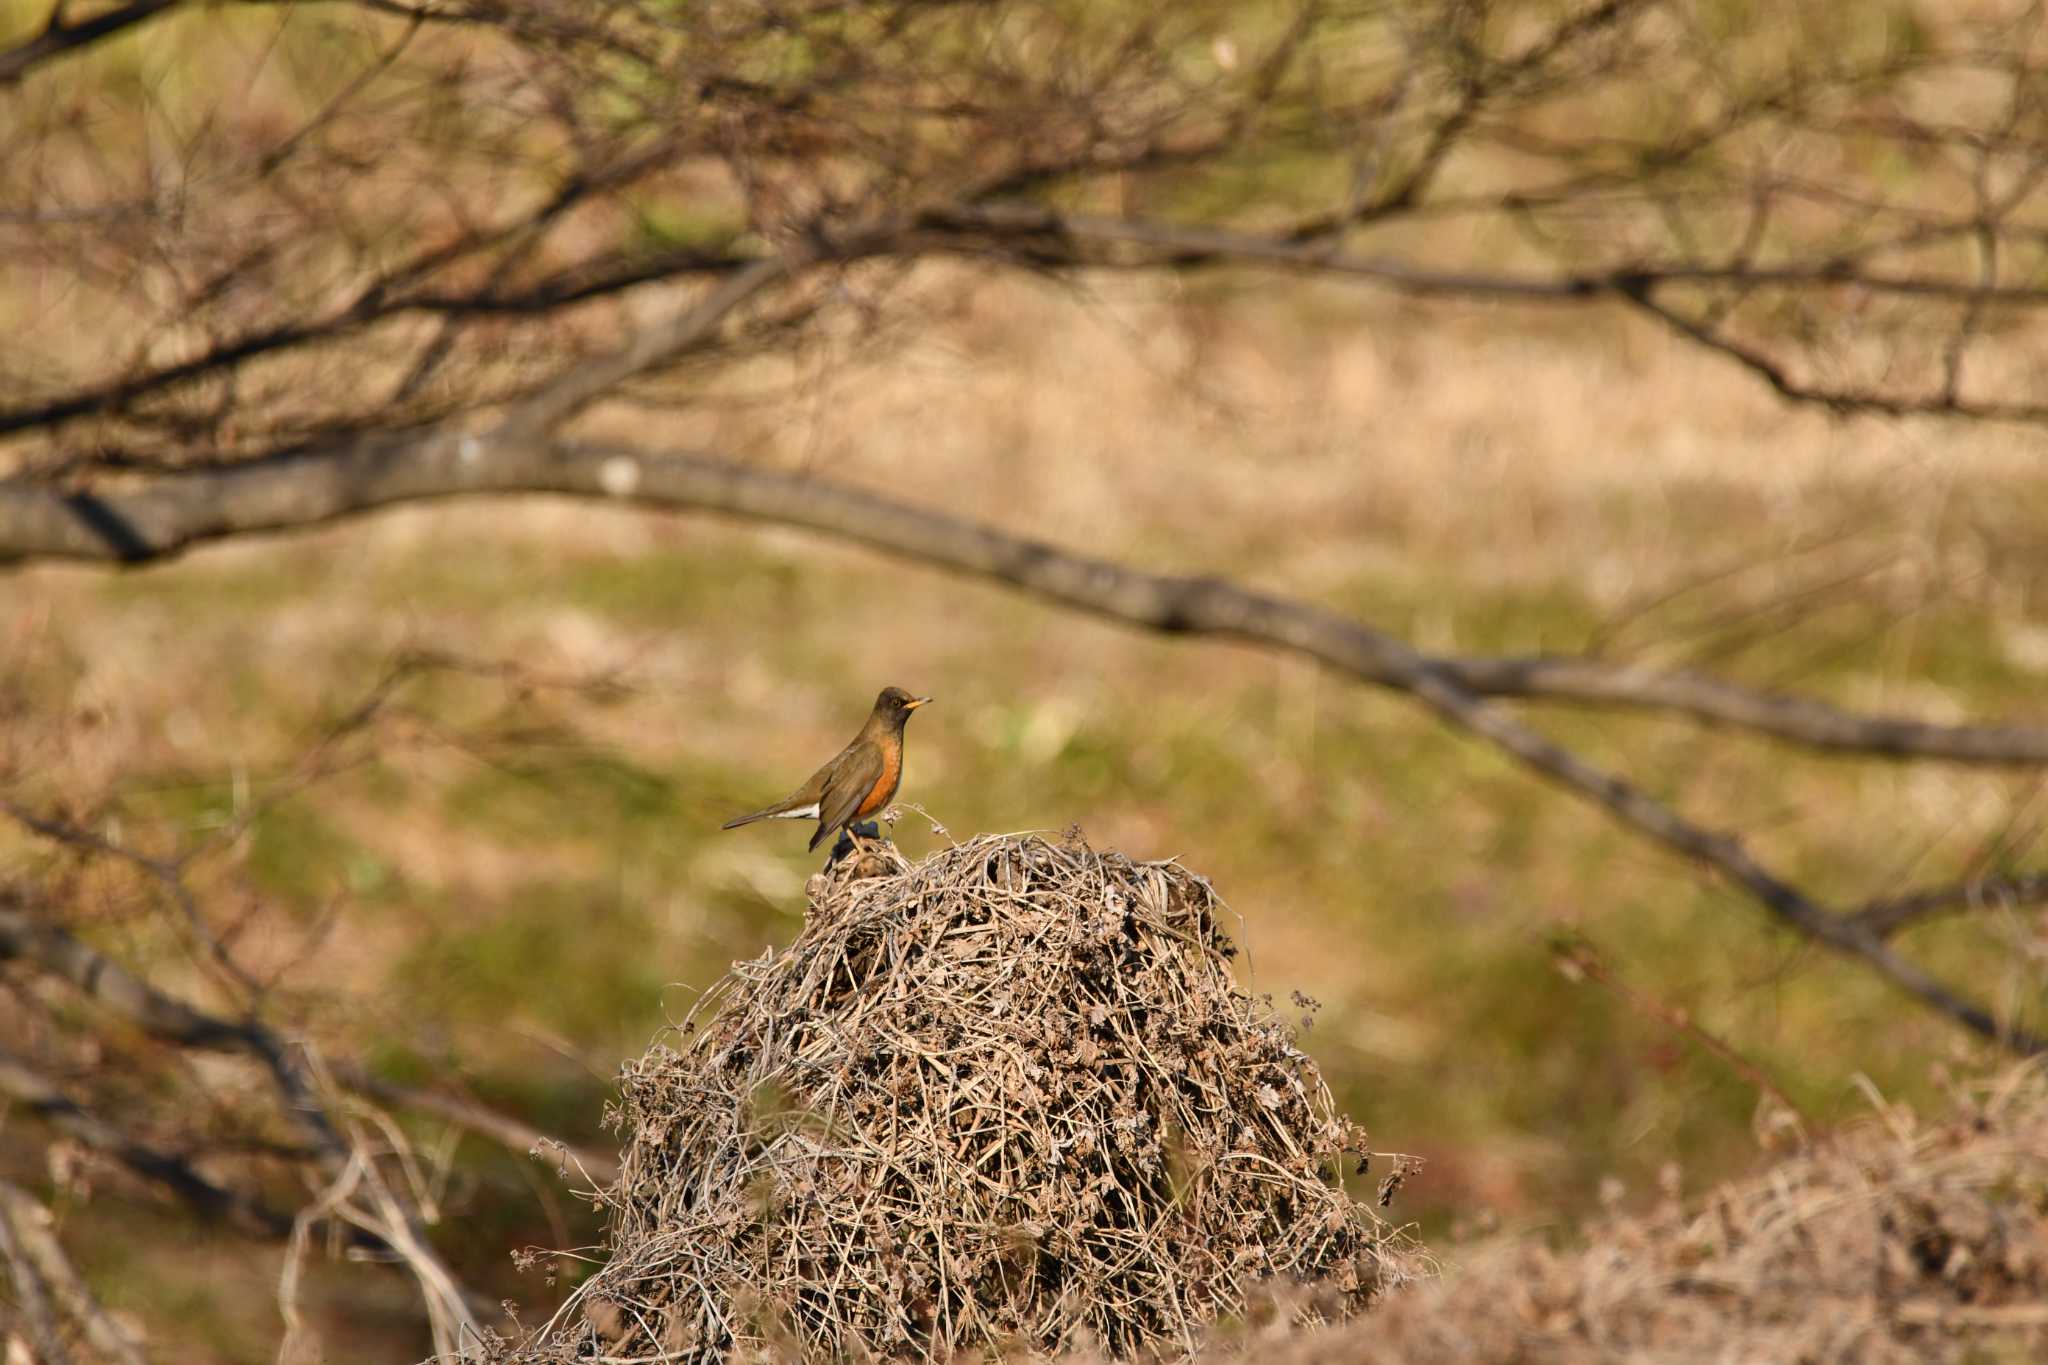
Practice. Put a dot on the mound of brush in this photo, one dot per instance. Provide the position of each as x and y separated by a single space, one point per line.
1009 1098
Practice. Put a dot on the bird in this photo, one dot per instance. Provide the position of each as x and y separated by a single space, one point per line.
859 781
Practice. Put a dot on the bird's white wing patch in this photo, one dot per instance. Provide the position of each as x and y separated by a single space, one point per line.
809 812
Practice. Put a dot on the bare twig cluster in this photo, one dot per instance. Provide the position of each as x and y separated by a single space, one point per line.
229 1112
1902 1240
1006 1098
469 190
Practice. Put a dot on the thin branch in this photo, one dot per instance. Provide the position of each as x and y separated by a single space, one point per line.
1049 239
1787 386
507 1131
167 1019
116 989
1187 244
568 393
301 1101
217 1203
166 873
1795 719
311 489
1887 917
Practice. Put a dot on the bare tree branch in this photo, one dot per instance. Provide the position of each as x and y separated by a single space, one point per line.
310 489
114 988
1187 245
59 38
1887 917
1794 719
167 874
164 517
26 1223
511 1133
38 1314
569 392
214 1202
390 1220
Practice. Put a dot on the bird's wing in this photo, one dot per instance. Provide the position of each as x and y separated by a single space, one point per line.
800 804
852 778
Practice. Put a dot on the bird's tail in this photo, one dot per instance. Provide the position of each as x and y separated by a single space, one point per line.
739 820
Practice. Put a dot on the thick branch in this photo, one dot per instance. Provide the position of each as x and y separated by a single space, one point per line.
31 1295
59 38
160 519
309 489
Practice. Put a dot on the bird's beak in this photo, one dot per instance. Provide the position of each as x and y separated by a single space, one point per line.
916 702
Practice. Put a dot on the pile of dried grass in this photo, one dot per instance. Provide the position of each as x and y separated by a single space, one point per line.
1892 1242
1007 1098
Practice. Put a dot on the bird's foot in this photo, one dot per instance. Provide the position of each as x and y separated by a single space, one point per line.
851 840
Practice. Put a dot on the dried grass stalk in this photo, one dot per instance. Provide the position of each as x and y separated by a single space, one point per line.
1008 1098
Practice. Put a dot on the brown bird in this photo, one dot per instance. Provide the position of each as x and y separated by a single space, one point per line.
856 784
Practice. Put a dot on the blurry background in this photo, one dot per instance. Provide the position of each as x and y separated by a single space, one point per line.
434 795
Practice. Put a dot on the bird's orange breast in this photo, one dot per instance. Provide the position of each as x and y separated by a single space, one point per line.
885 785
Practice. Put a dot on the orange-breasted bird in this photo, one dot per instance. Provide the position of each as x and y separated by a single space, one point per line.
857 783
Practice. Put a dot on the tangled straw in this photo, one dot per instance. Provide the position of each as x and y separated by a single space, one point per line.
1007 1099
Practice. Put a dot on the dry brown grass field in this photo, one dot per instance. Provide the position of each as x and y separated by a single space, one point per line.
499 874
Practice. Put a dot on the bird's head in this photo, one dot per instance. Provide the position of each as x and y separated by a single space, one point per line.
895 705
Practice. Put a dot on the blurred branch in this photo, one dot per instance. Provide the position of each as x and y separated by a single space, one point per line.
1187 245
166 873
1794 719
308 489
159 519
59 38
1887 917
168 1020
507 1131
31 1296
390 1220
35 1254
218 1203
569 392
113 987
1051 239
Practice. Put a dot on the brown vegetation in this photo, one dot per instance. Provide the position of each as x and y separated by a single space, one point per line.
1894 1242
1005 1098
